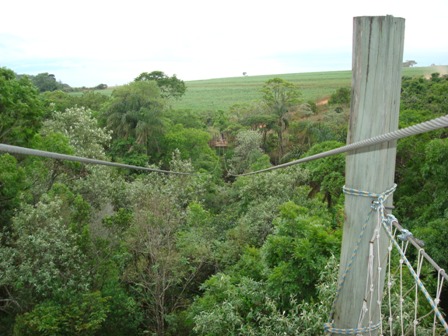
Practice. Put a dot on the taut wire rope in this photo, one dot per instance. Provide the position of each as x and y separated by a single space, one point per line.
57 156
423 127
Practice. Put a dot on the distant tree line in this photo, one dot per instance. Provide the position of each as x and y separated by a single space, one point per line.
409 63
46 82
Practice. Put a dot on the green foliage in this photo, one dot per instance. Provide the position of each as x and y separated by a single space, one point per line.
74 131
434 233
45 82
297 251
118 222
219 119
60 100
314 313
136 111
252 227
98 185
280 97
44 173
261 290
170 87
435 167
328 174
249 265
194 239
84 314
422 94
187 118
57 101
411 117
20 109
228 306
90 250
129 152
82 130
422 200
253 204
12 182
124 315
280 184
245 308
421 171
101 87
309 133
92 100
44 259
341 96
192 144
53 142
247 151
165 265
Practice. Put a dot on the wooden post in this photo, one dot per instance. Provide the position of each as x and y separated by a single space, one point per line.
376 85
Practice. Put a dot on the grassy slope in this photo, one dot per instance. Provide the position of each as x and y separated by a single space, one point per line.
221 93
216 94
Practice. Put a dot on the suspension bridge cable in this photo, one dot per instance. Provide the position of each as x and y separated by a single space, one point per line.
57 156
423 127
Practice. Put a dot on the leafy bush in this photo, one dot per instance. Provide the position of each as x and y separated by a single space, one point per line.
342 96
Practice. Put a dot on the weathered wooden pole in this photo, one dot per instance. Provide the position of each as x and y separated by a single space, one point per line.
376 83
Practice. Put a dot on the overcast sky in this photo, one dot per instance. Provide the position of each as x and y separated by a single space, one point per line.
85 43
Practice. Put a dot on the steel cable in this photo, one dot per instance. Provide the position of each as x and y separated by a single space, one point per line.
423 127
57 156
427 126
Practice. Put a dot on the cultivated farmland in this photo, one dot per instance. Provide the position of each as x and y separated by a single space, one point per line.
221 93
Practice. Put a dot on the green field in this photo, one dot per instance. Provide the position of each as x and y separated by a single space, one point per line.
221 93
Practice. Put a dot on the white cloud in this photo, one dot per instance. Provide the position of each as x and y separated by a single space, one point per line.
91 42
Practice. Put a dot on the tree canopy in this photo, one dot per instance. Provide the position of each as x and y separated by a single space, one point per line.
95 250
170 87
136 112
280 97
21 109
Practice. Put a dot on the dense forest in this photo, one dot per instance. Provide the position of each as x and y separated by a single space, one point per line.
95 250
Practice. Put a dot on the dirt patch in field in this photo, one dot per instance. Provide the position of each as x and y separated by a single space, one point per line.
442 70
323 101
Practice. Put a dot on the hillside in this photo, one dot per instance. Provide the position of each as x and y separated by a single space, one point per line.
221 93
